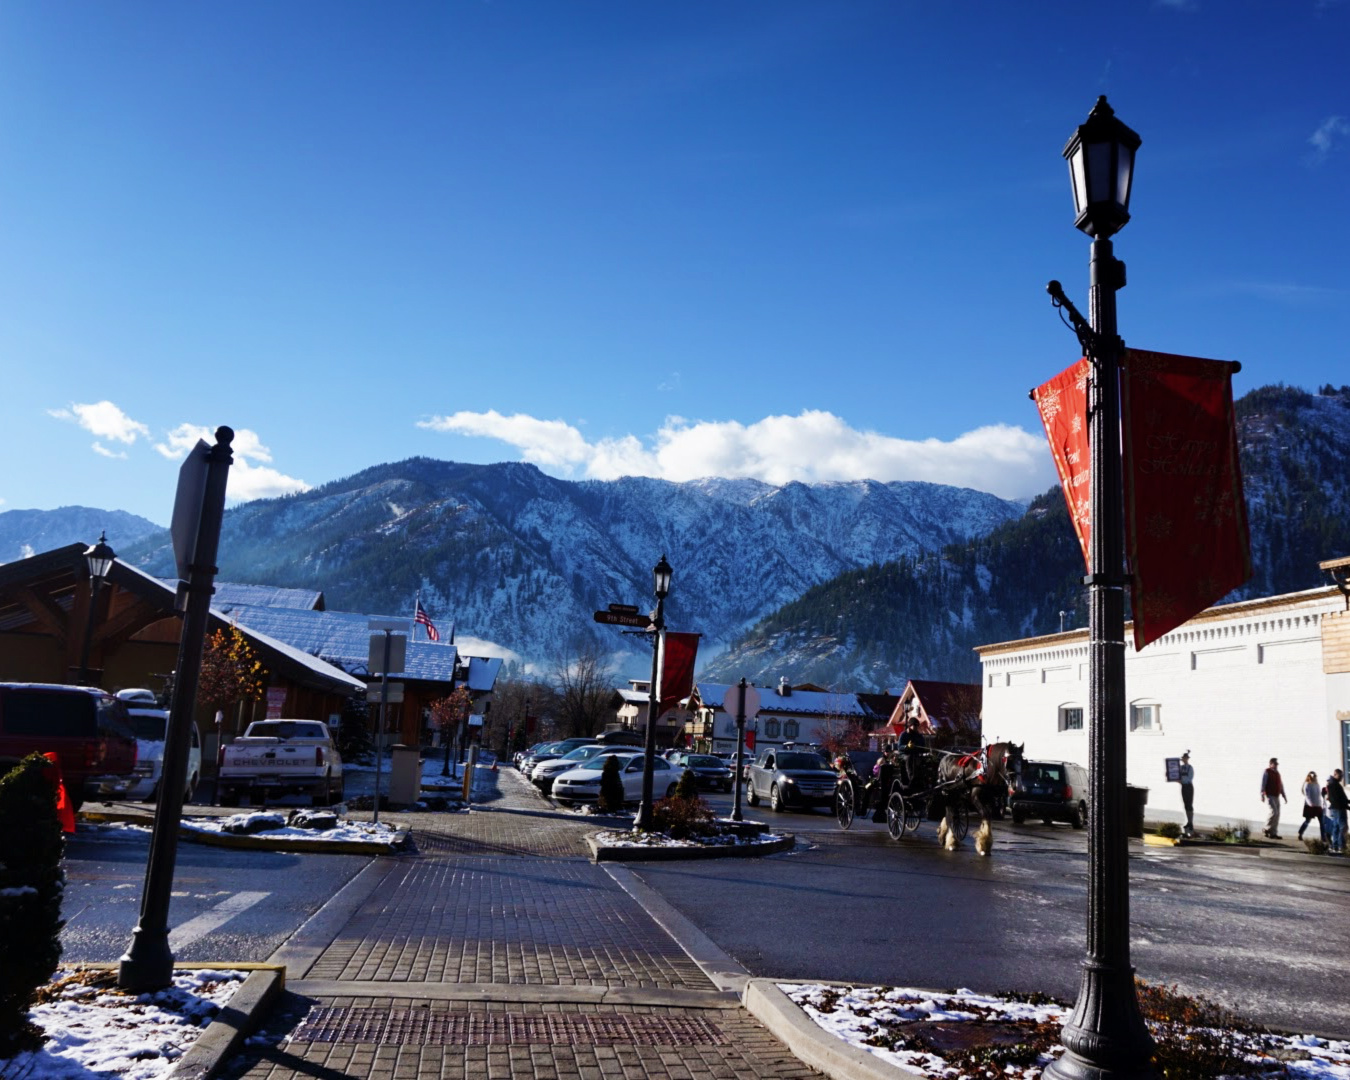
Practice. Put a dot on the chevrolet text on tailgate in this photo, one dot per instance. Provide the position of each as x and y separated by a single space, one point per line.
281 757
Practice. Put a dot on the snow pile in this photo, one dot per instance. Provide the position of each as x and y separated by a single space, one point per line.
655 839
346 830
93 1029
892 1022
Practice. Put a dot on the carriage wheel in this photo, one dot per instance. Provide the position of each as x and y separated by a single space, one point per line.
897 812
843 803
913 815
961 819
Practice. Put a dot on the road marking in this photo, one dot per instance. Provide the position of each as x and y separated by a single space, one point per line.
182 936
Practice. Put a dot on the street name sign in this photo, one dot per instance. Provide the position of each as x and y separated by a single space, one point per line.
624 609
395 693
621 618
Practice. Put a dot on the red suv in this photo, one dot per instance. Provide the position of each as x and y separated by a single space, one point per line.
85 727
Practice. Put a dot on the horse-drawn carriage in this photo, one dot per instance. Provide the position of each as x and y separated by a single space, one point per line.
917 785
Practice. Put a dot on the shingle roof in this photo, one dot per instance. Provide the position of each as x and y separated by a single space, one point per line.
342 638
812 702
232 594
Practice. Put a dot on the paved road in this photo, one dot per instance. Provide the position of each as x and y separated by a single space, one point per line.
1262 934
237 905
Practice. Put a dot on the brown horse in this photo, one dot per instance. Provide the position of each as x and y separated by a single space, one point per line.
980 778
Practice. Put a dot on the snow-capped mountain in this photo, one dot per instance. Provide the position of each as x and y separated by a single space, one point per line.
511 555
26 532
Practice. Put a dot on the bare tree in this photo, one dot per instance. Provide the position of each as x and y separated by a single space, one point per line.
513 700
841 731
583 685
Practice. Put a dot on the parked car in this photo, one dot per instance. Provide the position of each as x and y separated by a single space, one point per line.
85 727
582 784
544 772
551 750
1051 791
150 725
790 779
712 773
518 758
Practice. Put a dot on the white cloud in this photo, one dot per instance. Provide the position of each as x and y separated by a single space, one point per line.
99 448
811 447
1327 135
247 480
104 419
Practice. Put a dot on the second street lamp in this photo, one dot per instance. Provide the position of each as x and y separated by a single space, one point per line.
99 558
1105 1037
661 574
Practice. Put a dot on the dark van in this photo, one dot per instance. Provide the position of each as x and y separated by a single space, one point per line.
1051 791
85 727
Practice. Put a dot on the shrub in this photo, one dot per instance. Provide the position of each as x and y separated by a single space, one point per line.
1315 845
687 787
31 880
1169 830
611 787
1240 833
681 818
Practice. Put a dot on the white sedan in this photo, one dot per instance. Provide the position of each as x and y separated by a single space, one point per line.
583 784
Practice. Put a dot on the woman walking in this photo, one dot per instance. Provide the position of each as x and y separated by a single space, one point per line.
1312 807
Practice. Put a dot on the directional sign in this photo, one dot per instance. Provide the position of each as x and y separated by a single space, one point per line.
619 618
731 701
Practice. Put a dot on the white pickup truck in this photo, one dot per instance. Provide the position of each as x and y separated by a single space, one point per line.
280 757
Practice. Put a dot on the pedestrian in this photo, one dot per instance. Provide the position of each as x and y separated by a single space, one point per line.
1312 807
1272 791
1337 803
1187 777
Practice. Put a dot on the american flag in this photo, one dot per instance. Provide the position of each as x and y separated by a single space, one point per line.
422 617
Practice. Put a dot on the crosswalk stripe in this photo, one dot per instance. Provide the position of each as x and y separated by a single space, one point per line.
203 924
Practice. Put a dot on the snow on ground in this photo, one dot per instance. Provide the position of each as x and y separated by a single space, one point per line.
97 1031
654 839
247 823
865 1016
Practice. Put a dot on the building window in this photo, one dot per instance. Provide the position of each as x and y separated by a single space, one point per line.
1070 718
791 729
1146 717
771 729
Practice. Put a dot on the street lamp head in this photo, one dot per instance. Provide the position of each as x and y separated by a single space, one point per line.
661 573
100 558
1100 154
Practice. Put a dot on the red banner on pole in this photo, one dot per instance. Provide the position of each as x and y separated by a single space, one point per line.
677 669
1186 520
1062 403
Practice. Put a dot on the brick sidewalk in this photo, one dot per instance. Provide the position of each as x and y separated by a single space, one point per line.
500 952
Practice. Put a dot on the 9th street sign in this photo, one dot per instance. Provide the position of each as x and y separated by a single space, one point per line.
625 618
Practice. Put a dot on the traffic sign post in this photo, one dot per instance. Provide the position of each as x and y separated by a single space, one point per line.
388 650
747 707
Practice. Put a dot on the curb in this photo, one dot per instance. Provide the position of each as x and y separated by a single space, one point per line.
809 1042
258 842
225 1035
616 853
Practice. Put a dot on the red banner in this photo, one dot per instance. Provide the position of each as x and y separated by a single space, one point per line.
677 669
1186 521
1062 403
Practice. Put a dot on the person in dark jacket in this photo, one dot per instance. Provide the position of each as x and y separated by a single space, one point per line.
1272 791
1337 804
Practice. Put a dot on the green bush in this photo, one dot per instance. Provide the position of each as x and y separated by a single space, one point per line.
1169 830
681 818
687 787
1315 845
611 787
31 880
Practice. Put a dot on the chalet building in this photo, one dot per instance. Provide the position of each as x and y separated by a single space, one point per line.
342 639
1236 685
630 704
56 627
786 714
948 713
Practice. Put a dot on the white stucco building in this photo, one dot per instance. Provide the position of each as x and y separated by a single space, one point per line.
1236 686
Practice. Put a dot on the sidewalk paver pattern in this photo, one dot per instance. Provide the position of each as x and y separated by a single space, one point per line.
506 898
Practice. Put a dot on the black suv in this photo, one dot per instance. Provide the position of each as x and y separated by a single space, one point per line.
1051 791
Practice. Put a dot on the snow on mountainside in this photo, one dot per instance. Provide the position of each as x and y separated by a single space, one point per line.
517 557
28 532
920 618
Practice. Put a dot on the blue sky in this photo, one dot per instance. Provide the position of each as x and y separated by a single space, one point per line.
776 239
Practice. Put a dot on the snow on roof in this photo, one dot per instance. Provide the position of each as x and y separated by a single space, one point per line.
817 703
343 638
231 594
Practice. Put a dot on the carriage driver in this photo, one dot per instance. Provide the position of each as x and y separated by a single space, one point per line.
912 746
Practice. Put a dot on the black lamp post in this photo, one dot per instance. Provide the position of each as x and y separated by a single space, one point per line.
99 558
1105 1036
661 574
